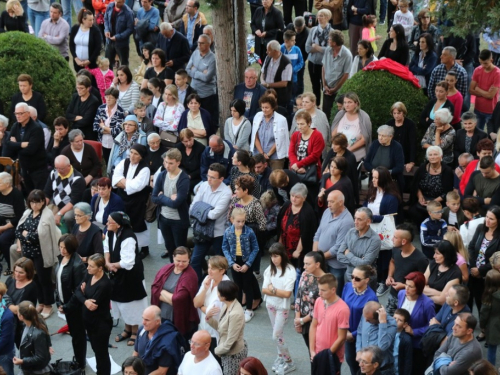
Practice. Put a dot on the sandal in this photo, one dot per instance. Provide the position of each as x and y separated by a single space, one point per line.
131 340
120 336
8 272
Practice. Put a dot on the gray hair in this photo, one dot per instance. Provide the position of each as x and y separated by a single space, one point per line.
466 156
206 37
299 189
250 69
165 26
299 21
25 106
376 352
274 45
33 111
451 50
443 115
4 121
339 194
153 136
367 212
6 178
84 207
385 130
469 116
75 133
62 159
434 148
209 28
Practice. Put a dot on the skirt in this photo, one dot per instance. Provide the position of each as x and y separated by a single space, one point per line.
130 312
231 363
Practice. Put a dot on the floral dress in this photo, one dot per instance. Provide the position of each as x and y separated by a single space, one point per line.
307 293
31 243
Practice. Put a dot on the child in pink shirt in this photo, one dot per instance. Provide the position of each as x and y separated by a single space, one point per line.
103 76
369 32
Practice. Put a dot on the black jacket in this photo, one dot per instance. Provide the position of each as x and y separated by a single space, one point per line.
427 112
446 178
34 350
33 157
405 353
494 122
72 276
459 146
475 245
274 27
95 43
36 101
176 49
87 110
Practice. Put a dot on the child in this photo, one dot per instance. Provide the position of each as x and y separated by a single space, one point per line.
271 209
294 54
403 348
462 253
404 17
240 248
463 161
145 97
471 211
432 229
279 280
145 124
183 88
103 76
453 214
488 317
369 32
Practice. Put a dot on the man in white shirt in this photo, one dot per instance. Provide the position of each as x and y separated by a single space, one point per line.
199 360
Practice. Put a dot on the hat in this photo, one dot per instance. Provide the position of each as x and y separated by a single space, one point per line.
132 118
121 218
142 150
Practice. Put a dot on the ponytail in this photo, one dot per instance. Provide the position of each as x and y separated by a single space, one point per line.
29 313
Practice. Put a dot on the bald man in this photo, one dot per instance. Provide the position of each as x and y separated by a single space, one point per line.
199 360
217 151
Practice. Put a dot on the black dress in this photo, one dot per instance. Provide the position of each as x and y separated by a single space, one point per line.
406 136
400 55
8 23
352 169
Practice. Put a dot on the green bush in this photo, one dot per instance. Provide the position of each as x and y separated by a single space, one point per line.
52 77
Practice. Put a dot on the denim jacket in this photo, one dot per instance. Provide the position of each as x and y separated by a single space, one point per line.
249 245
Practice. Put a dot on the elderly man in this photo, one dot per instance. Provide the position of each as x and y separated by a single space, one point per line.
4 135
157 344
333 227
361 244
277 73
217 151
448 62
64 189
199 360
370 360
209 30
46 131
26 142
55 30
82 109
192 24
456 303
250 92
175 45
118 26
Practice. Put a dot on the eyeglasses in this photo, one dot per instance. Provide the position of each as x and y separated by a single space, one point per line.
19 113
362 361
357 279
80 215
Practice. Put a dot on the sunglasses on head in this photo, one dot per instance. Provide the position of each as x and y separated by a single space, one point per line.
358 279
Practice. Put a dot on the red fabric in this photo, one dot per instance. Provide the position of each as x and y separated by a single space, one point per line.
185 314
290 234
314 150
395 68
100 5
484 82
467 173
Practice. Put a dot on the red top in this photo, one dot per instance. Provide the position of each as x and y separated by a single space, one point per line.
314 150
468 171
484 81
457 100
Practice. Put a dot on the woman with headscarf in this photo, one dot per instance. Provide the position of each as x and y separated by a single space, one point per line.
128 298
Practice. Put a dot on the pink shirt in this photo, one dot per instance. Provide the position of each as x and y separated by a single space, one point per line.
484 82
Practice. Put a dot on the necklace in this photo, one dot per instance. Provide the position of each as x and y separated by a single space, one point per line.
435 170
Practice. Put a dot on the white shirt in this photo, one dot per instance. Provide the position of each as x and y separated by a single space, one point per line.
82 44
127 251
209 366
78 155
100 213
408 305
59 283
375 205
285 282
134 184
211 300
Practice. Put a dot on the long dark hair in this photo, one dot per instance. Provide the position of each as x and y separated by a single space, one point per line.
429 40
244 158
318 257
495 210
279 249
400 35
491 285
386 183
28 311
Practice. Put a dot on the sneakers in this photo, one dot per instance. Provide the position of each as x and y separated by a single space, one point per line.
381 22
382 289
288 367
277 362
248 315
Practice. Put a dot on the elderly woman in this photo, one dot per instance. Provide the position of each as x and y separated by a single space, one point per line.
196 119
85 41
88 235
13 18
108 121
170 194
355 124
316 44
266 23
424 60
365 56
466 139
433 181
158 69
424 27
104 202
404 133
384 152
124 141
128 88
336 179
441 134
154 157
238 128
270 134
173 291
428 115
168 114
36 237
129 297
191 151
82 157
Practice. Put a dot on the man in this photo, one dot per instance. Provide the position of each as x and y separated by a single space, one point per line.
250 92
175 45
183 87
484 183
361 244
333 227
46 130
405 259
263 171
379 329
370 359
485 147
484 85
277 73
199 360
328 330
27 144
192 24
456 303
217 151
448 62
83 107
118 26
59 140
64 188
202 70
157 344
146 24
209 30
461 346
55 30
301 34
337 62
218 195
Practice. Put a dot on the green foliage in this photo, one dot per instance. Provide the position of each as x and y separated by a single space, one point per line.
52 77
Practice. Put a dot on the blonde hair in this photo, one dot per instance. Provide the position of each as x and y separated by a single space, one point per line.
268 199
238 211
102 61
218 262
433 205
173 91
10 6
456 240
326 13
310 96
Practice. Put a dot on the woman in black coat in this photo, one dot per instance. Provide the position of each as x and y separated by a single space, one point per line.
396 46
274 26
85 25
404 133
13 18
191 151
336 179
469 130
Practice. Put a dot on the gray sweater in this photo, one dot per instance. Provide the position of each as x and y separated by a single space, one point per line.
462 355
39 5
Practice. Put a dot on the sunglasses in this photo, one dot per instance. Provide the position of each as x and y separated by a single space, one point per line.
357 279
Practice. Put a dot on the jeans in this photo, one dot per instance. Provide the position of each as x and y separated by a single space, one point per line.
383 10
470 70
278 318
174 233
67 14
6 362
492 354
482 119
350 356
339 274
201 250
36 18
112 50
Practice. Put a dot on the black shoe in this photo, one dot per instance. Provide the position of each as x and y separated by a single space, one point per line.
164 255
144 252
480 338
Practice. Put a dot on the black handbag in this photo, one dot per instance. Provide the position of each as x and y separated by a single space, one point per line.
61 367
311 175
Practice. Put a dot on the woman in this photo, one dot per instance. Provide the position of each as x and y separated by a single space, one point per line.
170 194
124 141
34 352
88 235
462 254
316 44
238 128
173 291
455 97
108 121
441 273
421 309
433 181
208 297
396 46
404 133
95 294
85 41
355 124
243 165
266 23
37 236
169 112
70 273
13 18
428 115
197 119
336 179
365 56
128 298
467 138
252 366
158 69
489 318
441 134
147 49
356 294
424 60
356 9
82 157
424 27
232 347
104 202
128 88
133 366
191 151
270 134
157 87
482 367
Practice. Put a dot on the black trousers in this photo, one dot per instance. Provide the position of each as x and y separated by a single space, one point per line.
43 281
7 238
476 288
328 101
315 71
77 332
99 338
35 179
122 52
299 5
246 283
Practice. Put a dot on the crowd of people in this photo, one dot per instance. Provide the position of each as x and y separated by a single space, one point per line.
143 146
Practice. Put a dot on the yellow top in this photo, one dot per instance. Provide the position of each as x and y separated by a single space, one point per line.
238 243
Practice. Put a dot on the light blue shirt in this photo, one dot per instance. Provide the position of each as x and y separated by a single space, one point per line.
266 136
190 29
395 353
381 335
153 15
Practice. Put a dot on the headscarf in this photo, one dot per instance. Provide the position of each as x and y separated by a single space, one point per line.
142 150
125 144
121 218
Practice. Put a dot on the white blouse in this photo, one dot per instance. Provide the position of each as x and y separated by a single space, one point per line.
285 282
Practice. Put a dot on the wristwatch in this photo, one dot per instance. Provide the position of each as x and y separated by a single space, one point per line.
301 321
59 213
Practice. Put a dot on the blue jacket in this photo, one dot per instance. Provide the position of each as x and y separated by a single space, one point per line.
225 158
356 304
257 92
432 232
446 317
430 62
124 26
180 204
295 57
7 332
205 118
395 153
420 316
405 354
115 204
388 205
249 245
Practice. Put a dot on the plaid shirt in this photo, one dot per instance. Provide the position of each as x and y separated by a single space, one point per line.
439 74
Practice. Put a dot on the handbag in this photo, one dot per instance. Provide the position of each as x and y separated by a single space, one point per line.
311 175
385 229
169 139
150 215
61 367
